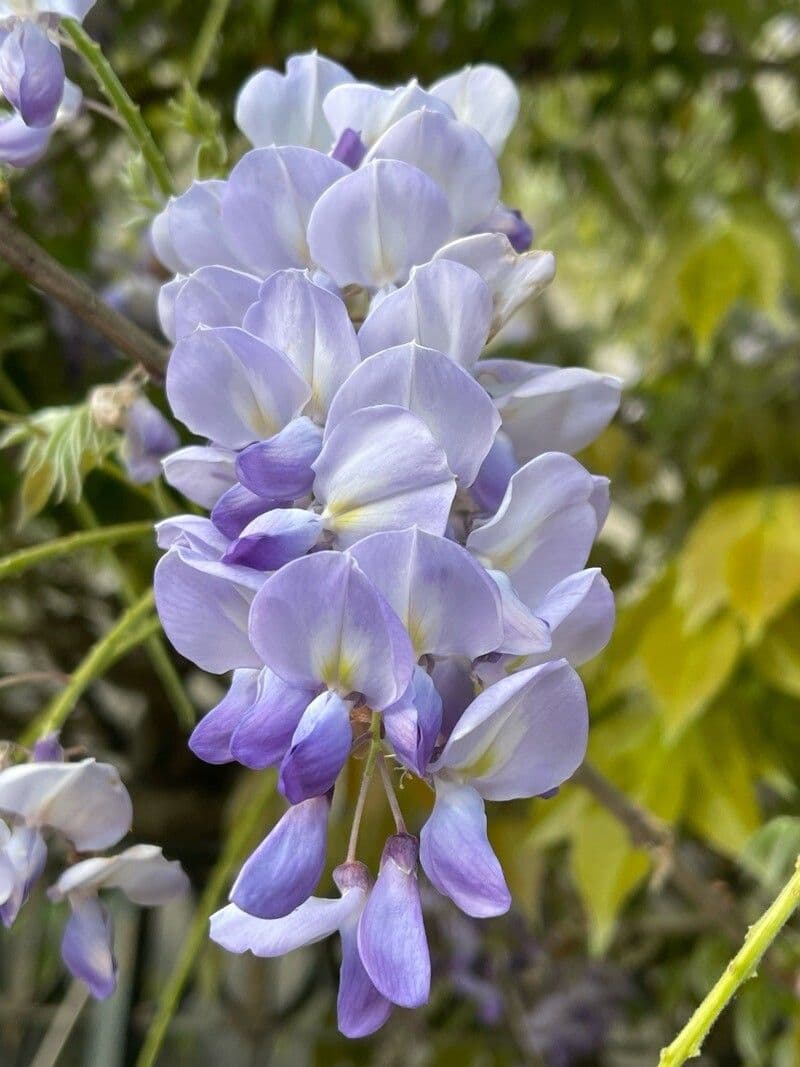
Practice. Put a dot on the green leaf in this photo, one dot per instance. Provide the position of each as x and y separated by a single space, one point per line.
772 851
59 446
607 869
686 669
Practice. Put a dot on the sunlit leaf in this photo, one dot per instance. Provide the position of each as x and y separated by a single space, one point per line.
701 587
686 669
607 869
722 805
777 657
762 568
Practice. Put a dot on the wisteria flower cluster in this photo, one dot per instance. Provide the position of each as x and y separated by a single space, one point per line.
86 804
395 559
33 83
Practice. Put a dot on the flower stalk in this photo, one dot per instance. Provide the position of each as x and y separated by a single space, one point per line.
17 562
742 967
118 97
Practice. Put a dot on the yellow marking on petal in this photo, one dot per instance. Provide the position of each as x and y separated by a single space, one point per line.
482 765
261 423
418 633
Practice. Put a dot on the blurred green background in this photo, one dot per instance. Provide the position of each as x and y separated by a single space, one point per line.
658 155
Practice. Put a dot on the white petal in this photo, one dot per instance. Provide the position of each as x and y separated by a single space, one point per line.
84 801
512 278
276 109
368 110
483 96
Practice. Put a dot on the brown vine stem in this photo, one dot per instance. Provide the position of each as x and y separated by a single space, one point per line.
649 833
44 272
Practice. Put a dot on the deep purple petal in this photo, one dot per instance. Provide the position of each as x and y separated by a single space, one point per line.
236 509
360 1008
284 870
261 738
32 73
281 467
319 749
391 933
496 472
349 149
276 538
456 855
148 438
413 723
211 738
87 947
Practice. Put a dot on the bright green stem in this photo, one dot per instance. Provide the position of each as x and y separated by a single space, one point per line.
130 114
244 828
206 39
743 966
96 661
17 562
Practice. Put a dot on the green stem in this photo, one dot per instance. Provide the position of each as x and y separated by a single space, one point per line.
17 562
743 966
97 660
206 39
130 114
366 778
243 830
159 657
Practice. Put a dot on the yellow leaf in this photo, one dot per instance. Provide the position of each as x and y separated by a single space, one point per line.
701 589
778 656
762 568
686 669
714 275
607 869
721 804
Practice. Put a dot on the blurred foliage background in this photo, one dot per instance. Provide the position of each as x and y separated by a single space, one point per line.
658 154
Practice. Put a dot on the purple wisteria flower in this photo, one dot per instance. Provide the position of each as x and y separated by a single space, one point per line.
87 805
395 557
33 85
